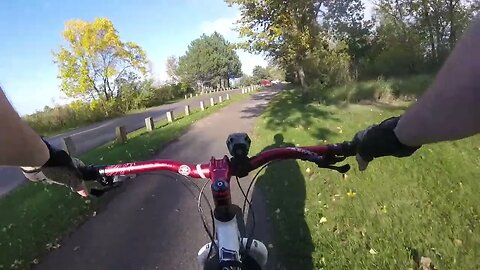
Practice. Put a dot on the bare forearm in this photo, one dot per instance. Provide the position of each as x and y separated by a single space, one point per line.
450 109
19 144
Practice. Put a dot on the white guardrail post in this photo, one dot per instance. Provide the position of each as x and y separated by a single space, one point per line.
149 125
170 117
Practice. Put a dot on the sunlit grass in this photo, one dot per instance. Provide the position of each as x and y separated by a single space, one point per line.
385 218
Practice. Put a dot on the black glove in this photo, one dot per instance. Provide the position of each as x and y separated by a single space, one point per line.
379 141
59 169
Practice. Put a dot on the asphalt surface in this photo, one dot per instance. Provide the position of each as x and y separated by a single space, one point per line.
152 222
91 136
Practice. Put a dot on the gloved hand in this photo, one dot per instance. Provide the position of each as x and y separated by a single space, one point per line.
379 141
59 169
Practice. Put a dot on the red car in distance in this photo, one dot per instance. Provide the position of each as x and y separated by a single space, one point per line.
266 83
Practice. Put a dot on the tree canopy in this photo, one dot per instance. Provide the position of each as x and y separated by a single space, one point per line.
209 61
172 68
95 61
328 42
285 30
270 72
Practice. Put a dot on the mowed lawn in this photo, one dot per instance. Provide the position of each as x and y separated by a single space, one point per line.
387 217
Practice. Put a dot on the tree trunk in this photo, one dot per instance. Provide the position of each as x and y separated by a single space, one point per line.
301 76
430 31
105 92
451 16
107 97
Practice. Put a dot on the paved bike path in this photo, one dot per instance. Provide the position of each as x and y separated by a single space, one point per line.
91 136
153 223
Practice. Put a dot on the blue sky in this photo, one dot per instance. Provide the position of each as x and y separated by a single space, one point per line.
31 29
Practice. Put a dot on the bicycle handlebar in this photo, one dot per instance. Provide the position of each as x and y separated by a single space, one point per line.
324 156
191 170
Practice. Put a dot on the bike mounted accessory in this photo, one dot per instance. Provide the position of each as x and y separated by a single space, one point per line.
238 145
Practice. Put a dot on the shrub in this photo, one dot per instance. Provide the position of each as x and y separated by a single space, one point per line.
374 90
134 95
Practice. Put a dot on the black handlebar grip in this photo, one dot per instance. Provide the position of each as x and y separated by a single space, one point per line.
90 173
346 149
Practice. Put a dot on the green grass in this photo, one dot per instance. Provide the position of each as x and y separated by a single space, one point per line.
35 216
386 90
399 209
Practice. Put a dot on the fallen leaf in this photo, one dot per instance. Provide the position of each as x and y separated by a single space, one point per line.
351 194
426 264
323 220
373 251
457 242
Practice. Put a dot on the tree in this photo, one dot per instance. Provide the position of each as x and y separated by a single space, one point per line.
275 73
345 20
271 72
210 60
95 60
260 73
429 29
246 80
172 68
285 30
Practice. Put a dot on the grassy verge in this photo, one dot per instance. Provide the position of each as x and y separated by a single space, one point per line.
386 90
385 218
35 216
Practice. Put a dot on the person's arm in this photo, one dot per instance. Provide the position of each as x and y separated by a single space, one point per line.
450 109
19 144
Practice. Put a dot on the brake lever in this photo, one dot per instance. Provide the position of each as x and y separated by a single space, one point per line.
109 183
328 161
341 169
98 192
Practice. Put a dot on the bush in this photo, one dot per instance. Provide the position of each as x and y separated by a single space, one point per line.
134 95
65 117
328 65
374 90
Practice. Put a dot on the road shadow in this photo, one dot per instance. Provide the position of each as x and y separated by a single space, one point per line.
282 189
257 109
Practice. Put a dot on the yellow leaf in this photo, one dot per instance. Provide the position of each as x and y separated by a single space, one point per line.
351 194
